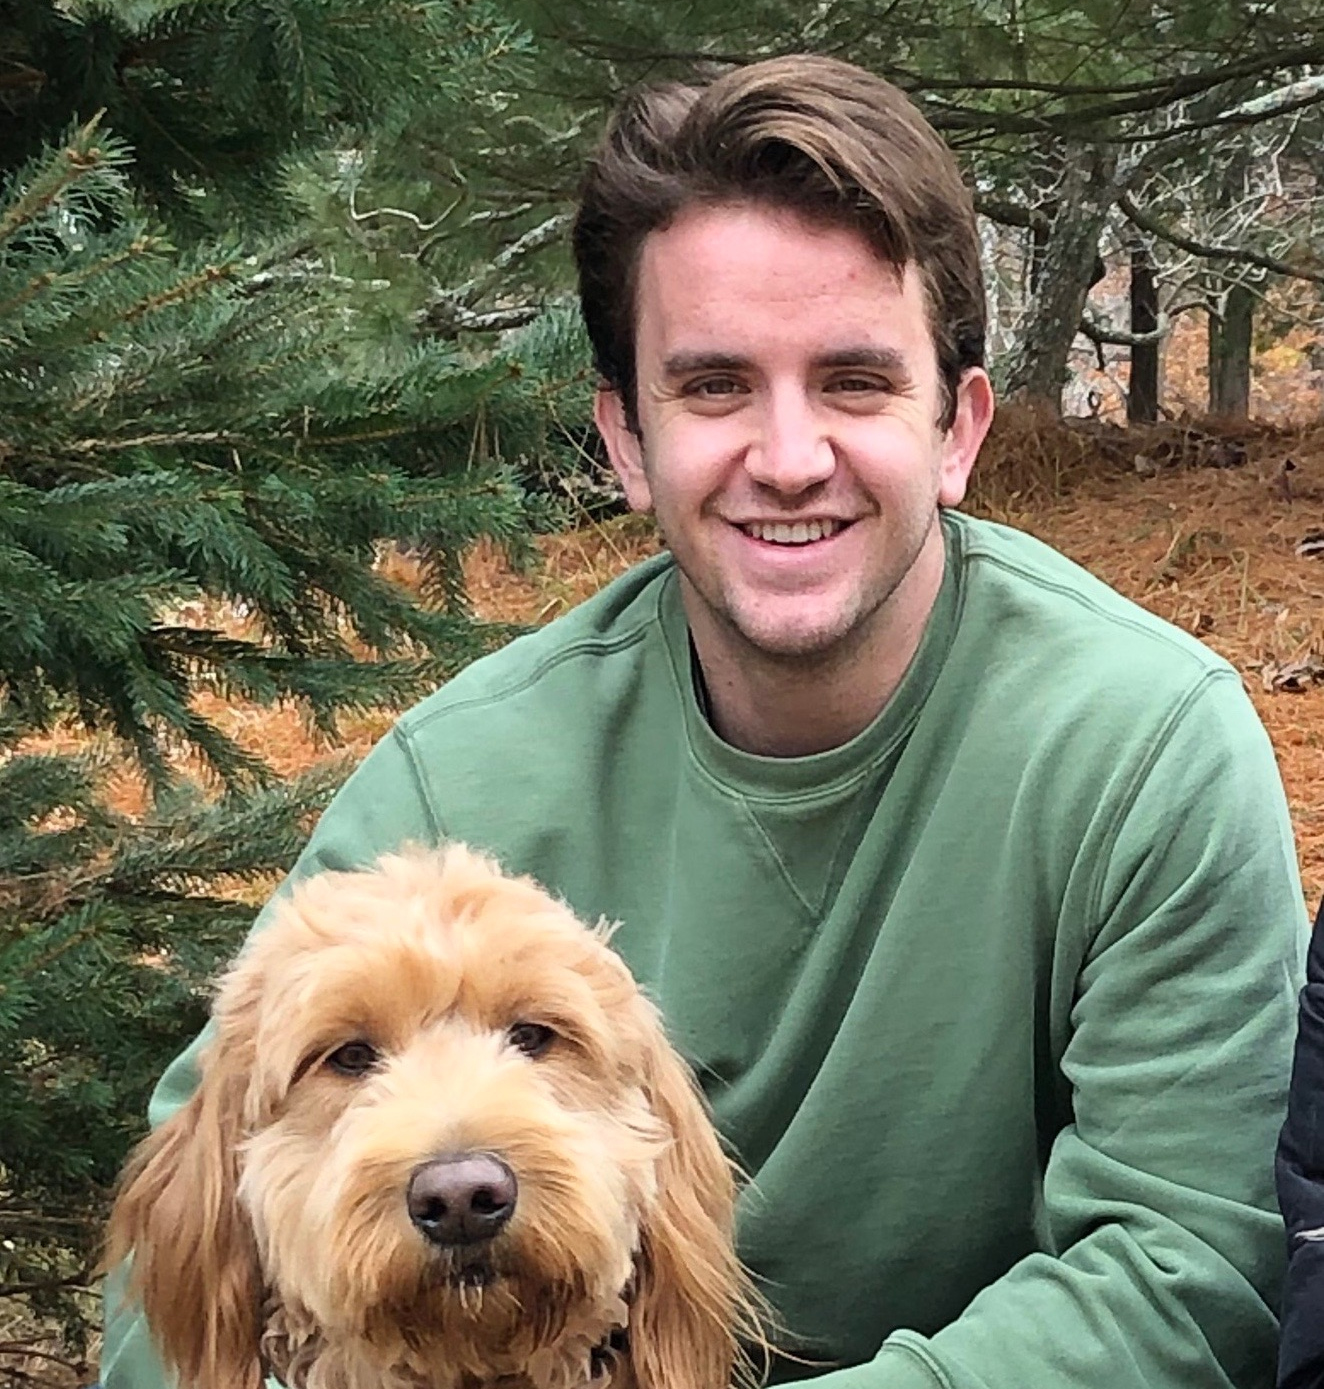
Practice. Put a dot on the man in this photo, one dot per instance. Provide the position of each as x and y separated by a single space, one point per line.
967 886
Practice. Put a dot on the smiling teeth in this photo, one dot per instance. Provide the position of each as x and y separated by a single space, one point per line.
801 533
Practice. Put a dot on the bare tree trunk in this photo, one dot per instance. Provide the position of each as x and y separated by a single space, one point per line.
1230 334
1142 399
1229 354
1038 250
1085 193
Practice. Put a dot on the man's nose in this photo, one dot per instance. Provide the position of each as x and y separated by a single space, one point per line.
792 452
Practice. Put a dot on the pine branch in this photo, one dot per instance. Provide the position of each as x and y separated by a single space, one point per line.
1180 88
452 309
490 321
75 279
1245 255
82 1279
80 157
187 288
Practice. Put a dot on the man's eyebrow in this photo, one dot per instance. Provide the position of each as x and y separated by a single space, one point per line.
881 358
683 363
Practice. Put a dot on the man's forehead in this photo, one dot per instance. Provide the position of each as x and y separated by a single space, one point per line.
715 261
730 288
742 225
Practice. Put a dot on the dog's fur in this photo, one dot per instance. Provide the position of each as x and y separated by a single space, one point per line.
267 1219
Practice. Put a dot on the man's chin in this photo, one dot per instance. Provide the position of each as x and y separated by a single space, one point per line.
799 639
796 630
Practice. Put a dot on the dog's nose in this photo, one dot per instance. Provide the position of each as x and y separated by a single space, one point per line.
462 1199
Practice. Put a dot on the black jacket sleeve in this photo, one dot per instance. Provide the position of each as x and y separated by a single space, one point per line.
1300 1174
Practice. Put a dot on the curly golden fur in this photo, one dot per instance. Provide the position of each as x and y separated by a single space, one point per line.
393 1018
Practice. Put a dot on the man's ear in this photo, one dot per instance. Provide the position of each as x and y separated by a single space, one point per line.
624 448
974 414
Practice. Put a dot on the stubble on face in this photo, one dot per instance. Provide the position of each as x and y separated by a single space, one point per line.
808 650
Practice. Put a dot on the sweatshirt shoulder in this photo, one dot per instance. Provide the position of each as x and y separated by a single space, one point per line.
1052 608
549 666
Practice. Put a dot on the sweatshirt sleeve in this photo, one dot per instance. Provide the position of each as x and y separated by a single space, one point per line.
1163 1247
1300 1173
381 807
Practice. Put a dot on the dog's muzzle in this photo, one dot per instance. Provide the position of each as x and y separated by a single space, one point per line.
462 1199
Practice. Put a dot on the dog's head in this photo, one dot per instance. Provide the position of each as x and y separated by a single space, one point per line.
440 1137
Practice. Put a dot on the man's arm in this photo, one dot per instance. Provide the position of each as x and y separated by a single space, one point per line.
380 808
1163 1247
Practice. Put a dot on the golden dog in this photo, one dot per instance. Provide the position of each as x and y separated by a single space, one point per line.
440 1142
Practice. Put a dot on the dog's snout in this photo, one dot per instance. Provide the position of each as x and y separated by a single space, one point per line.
463 1199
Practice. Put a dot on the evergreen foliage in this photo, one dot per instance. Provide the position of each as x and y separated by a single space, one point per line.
202 417
212 95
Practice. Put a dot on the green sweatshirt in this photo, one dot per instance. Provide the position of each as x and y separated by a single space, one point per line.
994 1002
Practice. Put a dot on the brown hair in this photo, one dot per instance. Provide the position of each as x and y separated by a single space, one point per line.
814 135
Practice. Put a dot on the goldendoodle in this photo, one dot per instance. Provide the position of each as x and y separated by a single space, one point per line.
440 1142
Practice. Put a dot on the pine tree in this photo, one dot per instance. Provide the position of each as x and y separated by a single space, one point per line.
200 416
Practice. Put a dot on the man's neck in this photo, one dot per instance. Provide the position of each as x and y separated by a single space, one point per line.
779 707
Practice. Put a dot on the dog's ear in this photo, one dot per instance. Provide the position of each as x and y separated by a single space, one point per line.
195 1267
692 1304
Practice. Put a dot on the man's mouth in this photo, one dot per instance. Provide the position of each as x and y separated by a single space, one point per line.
793 533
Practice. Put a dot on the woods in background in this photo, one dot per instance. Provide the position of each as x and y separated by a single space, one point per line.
283 281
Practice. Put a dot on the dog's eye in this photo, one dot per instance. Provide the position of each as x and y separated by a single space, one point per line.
532 1038
353 1059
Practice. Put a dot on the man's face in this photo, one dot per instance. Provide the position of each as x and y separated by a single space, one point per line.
788 404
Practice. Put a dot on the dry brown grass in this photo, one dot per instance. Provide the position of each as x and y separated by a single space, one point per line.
33 1358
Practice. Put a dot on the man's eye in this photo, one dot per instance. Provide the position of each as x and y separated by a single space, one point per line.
857 385
715 387
353 1059
532 1038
